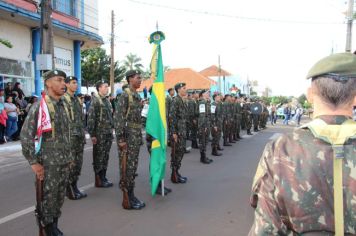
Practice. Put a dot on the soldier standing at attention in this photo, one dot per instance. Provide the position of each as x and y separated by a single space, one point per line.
216 124
77 135
178 115
226 120
100 125
128 129
238 117
193 118
203 125
51 163
169 99
247 113
305 181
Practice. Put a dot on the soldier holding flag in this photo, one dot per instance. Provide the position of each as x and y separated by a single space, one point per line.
50 157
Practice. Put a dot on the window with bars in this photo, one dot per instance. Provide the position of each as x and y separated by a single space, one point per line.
65 6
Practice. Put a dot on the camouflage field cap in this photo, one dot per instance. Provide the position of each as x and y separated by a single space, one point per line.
52 73
131 73
70 78
178 86
341 65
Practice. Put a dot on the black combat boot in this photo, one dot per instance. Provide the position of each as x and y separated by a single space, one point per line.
226 143
195 144
159 189
203 158
215 152
231 140
249 132
134 201
220 148
55 225
71 194
77 191
181 179
235 137
50 230
105 180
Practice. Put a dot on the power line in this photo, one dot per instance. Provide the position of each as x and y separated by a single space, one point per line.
217 14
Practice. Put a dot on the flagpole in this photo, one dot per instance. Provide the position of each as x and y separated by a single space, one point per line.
162 185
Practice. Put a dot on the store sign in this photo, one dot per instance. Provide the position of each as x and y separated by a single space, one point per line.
63 60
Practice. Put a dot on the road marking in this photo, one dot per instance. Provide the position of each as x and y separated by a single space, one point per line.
32 208
275 136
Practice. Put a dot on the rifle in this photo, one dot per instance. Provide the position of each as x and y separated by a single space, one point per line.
38 210
125 200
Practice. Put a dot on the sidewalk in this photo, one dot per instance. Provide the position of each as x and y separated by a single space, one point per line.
10 147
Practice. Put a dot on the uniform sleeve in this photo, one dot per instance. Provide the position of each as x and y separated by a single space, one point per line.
120 116
28 133
93 116
173 116
268 220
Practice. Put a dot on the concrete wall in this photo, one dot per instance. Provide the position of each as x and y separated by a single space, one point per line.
20 38
91 15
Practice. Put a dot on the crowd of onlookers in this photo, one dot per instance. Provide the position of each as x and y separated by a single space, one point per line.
288 114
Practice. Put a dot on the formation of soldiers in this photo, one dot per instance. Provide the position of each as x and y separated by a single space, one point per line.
196 116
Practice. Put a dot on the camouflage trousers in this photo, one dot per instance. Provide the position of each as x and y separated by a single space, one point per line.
248 122
54 191
255 119
178 150
238 124
101 151
216 136
194 131
77 157
226 129
203 136
134 142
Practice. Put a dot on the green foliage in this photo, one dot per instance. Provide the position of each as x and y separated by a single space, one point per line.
96 66
5 42
133 62
302 98
280 100
307 104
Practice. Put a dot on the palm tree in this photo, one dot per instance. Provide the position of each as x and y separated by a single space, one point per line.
132 62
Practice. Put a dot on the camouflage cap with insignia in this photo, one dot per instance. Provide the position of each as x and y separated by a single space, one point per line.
52 73
339 66
70 78
131 73
99 83
178 86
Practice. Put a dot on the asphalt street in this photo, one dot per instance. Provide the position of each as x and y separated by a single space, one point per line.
214 201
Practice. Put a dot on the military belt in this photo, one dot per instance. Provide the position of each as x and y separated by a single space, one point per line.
134 125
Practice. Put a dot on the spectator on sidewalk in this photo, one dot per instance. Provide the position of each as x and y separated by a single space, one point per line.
287 113
11 122
8 89
298 115
3 117
17 88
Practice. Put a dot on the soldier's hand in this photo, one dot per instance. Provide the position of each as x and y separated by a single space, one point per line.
94 140
122 145
39 171
175 138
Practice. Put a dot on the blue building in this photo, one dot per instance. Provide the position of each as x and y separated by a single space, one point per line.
75 27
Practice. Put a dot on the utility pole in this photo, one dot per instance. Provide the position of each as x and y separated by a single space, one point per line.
219 74
112 64
350 15
47 29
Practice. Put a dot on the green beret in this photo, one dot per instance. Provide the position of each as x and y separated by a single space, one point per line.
70 78
339 64
131 73
52 73
178 86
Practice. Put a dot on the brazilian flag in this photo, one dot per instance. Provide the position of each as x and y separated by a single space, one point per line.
156 124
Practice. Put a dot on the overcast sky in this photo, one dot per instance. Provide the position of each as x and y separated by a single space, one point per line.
274 42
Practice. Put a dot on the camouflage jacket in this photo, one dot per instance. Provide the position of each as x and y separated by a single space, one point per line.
204 114
100 119
293 186
127 117
216 114
169 100
179 115
238 109
55 145
226 111
76 116
193 112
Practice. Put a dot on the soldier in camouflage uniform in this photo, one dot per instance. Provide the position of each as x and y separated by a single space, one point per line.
233 119
178 114
305 181
169 99
128 129
77 135
226 120
193 118
204 125
100 125
238 117
51 163
216 124
247 114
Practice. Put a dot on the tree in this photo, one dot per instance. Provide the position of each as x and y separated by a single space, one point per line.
132 62
302 98
5 42
96 65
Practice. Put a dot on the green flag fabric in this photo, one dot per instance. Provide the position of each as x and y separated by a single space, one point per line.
156 125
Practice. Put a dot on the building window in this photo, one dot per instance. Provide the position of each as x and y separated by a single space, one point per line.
65 6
